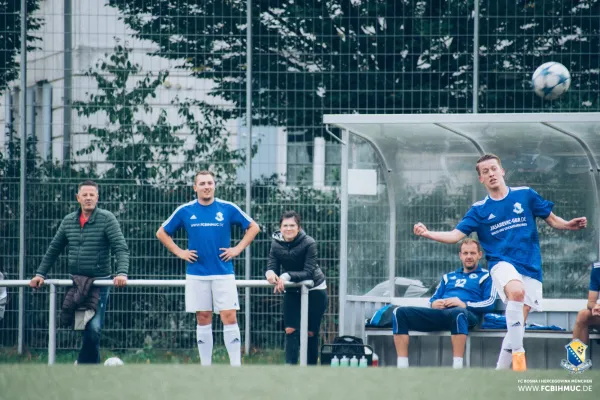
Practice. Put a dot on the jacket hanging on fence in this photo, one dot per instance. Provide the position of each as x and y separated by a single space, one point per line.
82 295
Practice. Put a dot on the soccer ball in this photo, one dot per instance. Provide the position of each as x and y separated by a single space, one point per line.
113 362
551 80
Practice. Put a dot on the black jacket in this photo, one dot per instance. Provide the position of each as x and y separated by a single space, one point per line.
298 258
81 295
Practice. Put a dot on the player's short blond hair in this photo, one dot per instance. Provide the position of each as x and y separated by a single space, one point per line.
204 172
486 157
469 241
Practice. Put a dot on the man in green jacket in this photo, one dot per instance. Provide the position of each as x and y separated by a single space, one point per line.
90 233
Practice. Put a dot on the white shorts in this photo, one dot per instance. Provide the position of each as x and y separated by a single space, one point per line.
211 295
504 272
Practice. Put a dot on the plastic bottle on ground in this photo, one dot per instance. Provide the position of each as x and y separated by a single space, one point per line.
335 362
363 363
344 361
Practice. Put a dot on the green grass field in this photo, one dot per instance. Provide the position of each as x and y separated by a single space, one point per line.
159 381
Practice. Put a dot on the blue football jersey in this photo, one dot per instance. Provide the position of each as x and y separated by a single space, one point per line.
208 229
595 278
475 289
507 229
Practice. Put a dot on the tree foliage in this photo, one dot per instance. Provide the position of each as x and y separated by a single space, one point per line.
316 57
10 37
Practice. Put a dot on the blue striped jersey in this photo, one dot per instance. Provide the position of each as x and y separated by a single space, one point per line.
474 288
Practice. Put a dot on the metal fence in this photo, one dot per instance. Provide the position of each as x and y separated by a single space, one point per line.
139 94
176 327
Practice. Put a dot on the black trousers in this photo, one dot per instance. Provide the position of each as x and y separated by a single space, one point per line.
317 304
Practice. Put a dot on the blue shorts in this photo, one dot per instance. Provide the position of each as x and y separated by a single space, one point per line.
457 320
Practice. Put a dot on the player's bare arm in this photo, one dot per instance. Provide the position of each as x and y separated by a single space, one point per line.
231 252
187 255
450 237
591 301
572 225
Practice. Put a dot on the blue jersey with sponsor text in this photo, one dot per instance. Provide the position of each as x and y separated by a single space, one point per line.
208 229
507 229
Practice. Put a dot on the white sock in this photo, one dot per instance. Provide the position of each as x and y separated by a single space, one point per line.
505 357
205 343
402 362
515 325
231 337
457 362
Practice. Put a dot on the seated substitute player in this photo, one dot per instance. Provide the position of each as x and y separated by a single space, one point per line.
457 305
210 280
505 222
591 315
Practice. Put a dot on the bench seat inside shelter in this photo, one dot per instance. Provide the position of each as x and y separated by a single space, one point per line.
545 349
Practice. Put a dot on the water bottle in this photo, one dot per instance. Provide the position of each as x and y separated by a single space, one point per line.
363 363
354 362
375 360
344 361
335 362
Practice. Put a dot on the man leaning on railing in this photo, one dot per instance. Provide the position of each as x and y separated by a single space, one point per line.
90 233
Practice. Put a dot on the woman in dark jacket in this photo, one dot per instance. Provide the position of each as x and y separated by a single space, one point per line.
293 258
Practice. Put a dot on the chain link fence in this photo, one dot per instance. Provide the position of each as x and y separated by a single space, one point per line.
140 94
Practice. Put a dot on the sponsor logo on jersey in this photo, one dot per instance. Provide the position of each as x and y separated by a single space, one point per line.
518 208
508 224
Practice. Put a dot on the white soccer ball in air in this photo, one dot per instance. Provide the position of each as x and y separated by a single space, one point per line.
113 362
551 80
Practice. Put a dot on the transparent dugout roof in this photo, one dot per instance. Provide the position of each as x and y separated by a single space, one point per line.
428 174
575 134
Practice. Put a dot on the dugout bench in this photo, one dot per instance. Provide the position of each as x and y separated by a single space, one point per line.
545 349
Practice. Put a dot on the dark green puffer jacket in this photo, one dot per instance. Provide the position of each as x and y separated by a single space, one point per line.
89 247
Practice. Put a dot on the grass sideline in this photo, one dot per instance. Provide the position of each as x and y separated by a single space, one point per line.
64 382
9 355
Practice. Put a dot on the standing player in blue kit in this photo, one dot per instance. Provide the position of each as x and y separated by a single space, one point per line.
505 223
210 280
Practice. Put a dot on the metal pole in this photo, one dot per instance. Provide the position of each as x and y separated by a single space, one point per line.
248 163
476 59
52 326
23 129
68 81
343 286
303 325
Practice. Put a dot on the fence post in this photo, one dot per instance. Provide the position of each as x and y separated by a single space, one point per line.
303 325
52 326
23 171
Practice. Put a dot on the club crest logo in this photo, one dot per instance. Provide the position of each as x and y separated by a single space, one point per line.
576 362
518 208
219 216
473 276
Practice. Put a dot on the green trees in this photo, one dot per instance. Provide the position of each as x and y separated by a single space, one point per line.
10 37
375 56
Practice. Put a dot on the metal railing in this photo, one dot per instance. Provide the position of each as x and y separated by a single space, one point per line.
53 283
